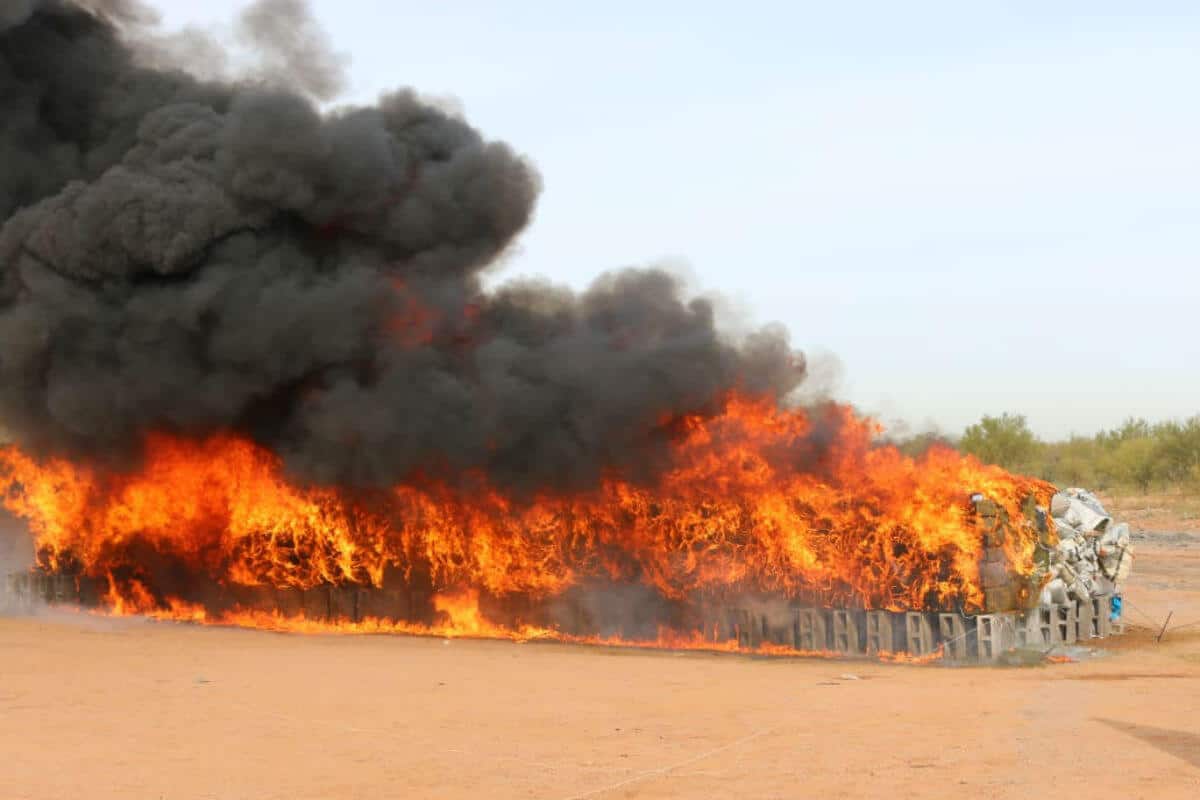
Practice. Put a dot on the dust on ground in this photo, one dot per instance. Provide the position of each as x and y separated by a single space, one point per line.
108 708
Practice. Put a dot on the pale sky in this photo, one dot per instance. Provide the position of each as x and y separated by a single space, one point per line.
974 207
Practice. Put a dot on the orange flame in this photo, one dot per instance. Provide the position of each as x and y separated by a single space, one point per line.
732 515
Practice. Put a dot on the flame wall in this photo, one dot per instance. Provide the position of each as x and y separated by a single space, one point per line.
731 517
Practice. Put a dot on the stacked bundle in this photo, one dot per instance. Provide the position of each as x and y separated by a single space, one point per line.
1093 556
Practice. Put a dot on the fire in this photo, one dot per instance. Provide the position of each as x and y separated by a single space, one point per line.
411 323
745 507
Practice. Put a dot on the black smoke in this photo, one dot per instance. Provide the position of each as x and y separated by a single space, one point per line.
187 255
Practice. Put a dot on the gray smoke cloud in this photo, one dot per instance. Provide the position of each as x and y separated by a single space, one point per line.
14 12
292 48
188 255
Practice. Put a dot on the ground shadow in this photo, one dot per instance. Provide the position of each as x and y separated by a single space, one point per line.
1181 744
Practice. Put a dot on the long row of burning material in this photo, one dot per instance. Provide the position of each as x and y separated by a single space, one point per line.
873 552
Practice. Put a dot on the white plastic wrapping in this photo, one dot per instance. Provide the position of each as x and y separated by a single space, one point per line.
1094 556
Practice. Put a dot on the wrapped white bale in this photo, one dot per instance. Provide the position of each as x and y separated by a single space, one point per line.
1054 593
1078 515
1114 555
1093 555
1088 499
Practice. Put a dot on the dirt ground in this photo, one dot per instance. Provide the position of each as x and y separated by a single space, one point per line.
1176 510
102 708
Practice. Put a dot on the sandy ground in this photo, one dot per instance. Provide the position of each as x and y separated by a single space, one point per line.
1176 510
102 708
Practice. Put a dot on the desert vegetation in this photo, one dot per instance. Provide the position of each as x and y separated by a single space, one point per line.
1148 473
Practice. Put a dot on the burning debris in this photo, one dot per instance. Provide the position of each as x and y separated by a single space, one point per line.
253 377
731 617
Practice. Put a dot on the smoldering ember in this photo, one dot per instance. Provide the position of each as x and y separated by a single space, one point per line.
253 377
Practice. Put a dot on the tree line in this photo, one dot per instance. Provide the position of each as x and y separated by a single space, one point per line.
1135 455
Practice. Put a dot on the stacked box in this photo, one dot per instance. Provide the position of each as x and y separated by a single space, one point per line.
1064 625
918 633
995 634
1092 619
343 602
847 630
748 627
778 624
26 589
384 604
954 636
1102 615
289 602
811 629
995 571
884 632
1037 629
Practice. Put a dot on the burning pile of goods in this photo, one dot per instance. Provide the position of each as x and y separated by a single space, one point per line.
883 560
253 377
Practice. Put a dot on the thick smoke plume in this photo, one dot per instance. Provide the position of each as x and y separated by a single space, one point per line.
187 255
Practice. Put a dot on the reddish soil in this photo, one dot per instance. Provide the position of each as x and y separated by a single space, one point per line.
103 708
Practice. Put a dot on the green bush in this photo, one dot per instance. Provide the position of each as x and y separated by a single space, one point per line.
1005 440
1136 455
